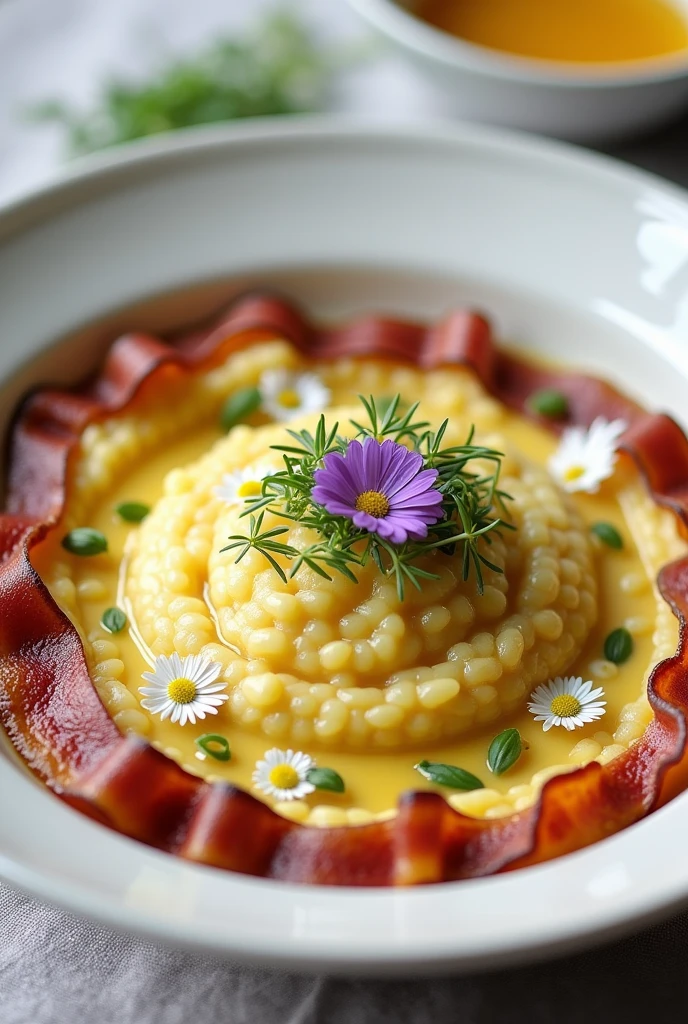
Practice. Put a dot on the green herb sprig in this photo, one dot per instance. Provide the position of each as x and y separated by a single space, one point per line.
280 67
469 504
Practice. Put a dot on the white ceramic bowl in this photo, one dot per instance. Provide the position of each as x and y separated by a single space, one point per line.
593 104
574 257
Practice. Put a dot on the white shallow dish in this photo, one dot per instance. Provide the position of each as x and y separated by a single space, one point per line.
573 256
582 103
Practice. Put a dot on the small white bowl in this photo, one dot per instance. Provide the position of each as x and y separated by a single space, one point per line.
585 103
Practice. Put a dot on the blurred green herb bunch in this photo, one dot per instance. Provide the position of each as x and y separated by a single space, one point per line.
280 67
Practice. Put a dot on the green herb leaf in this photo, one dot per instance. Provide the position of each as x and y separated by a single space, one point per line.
384 404
114 620
85 541
504 751
214 746
239 407
132 511
448 775
608 534
618 647
547 402
326 778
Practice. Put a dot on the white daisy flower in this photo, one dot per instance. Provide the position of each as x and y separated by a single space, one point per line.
286 394
243 484
283 774
183 689
585 458
566 701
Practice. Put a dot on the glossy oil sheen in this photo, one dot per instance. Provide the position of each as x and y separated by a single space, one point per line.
584 31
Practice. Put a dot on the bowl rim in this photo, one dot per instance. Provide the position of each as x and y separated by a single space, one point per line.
410 32
100 172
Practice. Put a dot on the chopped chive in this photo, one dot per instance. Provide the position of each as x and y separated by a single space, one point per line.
114 620
239 407
618 647
326 778
132 511
214 746
547 402
608 534
504 751
85 541
448 775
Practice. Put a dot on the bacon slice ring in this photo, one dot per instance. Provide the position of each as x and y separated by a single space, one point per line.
54 718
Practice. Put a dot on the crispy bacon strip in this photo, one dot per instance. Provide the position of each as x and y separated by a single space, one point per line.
57 723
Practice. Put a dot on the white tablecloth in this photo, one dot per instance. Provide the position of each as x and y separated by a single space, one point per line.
56 969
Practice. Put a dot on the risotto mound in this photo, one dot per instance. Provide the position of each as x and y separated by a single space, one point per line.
352 664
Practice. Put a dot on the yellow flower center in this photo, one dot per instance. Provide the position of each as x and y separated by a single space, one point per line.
374 503
181 691
573 473
289 398
283 776
250 489
566 706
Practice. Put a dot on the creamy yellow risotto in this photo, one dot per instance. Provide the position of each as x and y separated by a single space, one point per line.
329 697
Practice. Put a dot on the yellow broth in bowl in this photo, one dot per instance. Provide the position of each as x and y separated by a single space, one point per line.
578 31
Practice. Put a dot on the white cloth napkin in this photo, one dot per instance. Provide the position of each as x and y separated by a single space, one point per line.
57 969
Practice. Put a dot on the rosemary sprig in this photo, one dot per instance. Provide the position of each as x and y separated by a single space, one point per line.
387 421
469 503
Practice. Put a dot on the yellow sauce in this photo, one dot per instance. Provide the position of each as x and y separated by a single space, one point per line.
375 780
584 31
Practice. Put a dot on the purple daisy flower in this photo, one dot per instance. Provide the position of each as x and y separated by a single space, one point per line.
382 487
